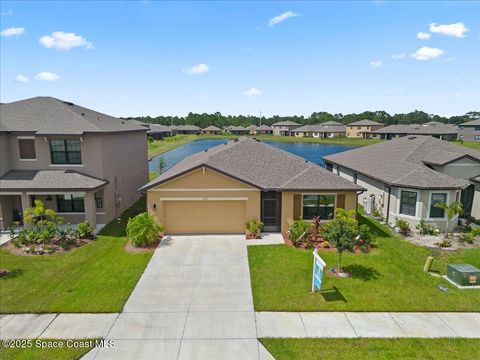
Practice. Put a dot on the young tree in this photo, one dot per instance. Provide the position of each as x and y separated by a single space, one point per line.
342 232
161 165
455 208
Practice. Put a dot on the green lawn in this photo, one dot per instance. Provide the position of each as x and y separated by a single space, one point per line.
158 147
471 144
337 141
373 349
97 277
388 279
70 350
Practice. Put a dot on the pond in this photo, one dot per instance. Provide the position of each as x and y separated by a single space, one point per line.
311 151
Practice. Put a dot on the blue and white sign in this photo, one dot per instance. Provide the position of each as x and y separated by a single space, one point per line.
318 265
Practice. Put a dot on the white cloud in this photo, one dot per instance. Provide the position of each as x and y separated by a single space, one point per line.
376 63
426 53
398 56
252 92
13 31
423 36
198 69
282 17
64 41
457 29
46 76
22 79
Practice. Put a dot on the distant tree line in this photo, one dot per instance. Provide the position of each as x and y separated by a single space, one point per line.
217 119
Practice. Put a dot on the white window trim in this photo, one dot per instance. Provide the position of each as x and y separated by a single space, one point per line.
65 165
417 207
26 137
447 200
205 199
28 159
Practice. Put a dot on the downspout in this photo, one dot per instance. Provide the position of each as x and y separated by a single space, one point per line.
388 204
356 204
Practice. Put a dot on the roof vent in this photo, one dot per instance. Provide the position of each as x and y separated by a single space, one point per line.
83 114
69 103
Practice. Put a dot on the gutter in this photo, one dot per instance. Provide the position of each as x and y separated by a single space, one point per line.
388 203
358 194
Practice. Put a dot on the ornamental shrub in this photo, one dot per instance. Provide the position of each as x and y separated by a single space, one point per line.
143 230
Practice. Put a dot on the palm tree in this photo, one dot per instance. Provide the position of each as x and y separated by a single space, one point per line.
455 208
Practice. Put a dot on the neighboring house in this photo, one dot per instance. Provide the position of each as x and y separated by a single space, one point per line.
239 130
83 164
442 131
138 122
251 129
328 129
406 177
186 129
362 128
219 189
263 130
476 204
469 131
158 132
212 130
284 128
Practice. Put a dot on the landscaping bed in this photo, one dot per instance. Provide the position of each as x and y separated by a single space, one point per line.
96 277
373 349
390 278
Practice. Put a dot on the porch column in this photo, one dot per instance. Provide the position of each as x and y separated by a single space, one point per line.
90 208
26 203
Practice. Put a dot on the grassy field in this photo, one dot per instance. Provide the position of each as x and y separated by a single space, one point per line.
471 144
388 279
97 277
373 349
337 141
37 353
158 147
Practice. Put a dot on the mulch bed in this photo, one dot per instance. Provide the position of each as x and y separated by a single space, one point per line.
130 248
43 249
318 245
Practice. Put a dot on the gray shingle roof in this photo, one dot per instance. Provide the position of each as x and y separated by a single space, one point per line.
137 122
320 128
154 128
251 127
212 128
186 128
365 122
403 162
260 165
286 123
445 129
264 128
475 122
46 180
331 123
476 179
47 115
238 128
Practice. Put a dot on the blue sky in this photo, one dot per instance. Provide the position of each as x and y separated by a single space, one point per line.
286 58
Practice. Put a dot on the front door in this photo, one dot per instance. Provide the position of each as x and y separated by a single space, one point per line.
270 211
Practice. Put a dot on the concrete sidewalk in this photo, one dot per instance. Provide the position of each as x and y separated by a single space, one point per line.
364 324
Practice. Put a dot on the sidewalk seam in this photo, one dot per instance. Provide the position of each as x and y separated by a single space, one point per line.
351 325
451 328
46 327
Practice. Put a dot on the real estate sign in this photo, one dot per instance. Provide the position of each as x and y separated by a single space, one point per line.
318 265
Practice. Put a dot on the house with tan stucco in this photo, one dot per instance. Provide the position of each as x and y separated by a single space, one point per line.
361 129
406 177
83 164
219 189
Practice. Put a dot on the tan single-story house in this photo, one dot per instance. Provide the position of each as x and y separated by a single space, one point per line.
263 130
362 128
251 129
329 129
212 130
433 128
219 189
239 130
405 177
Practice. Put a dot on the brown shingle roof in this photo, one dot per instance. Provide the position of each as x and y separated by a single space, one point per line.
47 180
212 128
320 128
446 129
47 115
475 122
402 162
364 122
260 165
286 123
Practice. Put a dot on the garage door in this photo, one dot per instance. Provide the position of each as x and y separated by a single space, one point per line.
204 217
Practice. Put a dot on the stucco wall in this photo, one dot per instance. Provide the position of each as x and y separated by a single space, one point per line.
461 169
357 131
476 202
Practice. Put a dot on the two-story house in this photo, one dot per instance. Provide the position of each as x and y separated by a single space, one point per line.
469 131
284 128
362 128
83 164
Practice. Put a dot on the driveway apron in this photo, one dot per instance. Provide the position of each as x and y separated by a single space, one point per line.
194 301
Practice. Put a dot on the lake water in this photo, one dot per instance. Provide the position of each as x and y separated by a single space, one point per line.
311 151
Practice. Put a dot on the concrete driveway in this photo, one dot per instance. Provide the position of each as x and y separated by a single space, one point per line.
194 301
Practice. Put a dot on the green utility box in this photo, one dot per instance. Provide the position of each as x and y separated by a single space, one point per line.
464 274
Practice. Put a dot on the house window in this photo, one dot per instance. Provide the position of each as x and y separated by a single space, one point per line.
408 203
318 205
477 137
99 202
70 203
66 151
27 149
437 198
